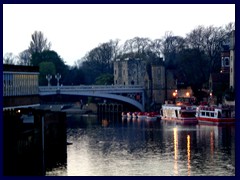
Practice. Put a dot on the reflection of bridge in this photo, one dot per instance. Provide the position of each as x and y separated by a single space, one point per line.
133 95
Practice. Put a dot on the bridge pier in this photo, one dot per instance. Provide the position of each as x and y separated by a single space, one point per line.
109 111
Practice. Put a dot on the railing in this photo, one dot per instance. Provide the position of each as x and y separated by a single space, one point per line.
93 87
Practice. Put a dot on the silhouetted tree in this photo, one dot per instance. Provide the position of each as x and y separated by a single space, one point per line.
24 58
9 58
38 43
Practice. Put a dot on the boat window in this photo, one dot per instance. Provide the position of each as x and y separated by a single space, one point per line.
212 114
207 113
219 114
203 113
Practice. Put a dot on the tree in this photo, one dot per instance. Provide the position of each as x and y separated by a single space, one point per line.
53 57
156 47
210 40
104 79
136 45
99 61
9 58
192 68
171 46
46 68
39 43
24 58
74 76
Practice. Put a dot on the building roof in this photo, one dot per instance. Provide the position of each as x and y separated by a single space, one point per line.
19 68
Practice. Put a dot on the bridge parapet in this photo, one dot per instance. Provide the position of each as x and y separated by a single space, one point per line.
91 87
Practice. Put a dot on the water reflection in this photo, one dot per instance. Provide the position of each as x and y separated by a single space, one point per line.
175 137
137 147
189 154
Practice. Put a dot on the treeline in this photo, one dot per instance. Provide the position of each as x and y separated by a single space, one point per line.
192 58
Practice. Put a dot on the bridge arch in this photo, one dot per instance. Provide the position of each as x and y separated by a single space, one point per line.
102 92
111 96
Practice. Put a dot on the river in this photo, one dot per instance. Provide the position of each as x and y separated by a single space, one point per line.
132 147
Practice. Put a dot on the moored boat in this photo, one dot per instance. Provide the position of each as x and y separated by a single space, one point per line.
217 115
124 114
129 115
142 115
184 114
152 116
135 114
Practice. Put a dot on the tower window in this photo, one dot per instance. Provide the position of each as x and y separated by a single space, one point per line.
226 61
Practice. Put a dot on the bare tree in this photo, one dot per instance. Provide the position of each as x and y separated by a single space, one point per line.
155 47
9 58
171 47
137 45
210 40
39 43
24 58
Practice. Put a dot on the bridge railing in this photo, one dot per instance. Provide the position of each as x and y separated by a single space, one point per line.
90 87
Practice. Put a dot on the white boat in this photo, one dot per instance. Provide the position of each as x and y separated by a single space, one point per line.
215 115
183 114
129 115
124 115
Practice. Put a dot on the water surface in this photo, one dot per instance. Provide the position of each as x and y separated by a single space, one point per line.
141 148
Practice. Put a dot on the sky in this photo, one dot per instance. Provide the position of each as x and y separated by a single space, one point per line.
75 29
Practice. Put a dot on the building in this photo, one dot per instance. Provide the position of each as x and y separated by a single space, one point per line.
150 75
129 72
20 86
232 61
221 85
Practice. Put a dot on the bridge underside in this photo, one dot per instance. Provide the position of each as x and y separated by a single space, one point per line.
128 100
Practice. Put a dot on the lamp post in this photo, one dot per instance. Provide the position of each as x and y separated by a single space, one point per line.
49 77
58 76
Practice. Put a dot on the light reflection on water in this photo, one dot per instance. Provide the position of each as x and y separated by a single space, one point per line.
141 148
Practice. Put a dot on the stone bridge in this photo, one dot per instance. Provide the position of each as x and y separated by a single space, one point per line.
132 94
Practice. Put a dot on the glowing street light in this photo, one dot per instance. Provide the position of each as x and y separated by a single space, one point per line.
174 94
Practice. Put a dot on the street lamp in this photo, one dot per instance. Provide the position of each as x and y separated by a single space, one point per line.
58 76
49 77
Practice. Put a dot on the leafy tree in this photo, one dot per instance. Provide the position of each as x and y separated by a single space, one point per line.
104 79
74 76
53 57
49 56
46 68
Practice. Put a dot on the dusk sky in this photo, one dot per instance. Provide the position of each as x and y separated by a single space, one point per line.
75 29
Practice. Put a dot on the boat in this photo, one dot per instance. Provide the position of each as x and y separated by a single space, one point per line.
142 115
134 114
124 115
216 115
183 114
152 116
129 114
